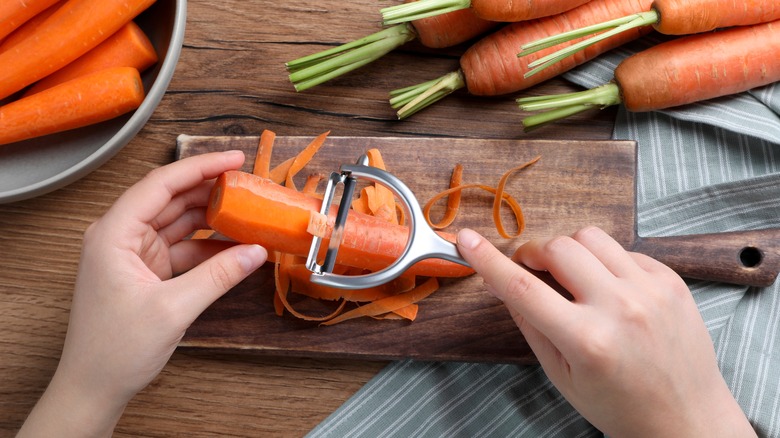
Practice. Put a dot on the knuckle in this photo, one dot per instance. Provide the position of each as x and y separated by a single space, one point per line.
597 351
221 276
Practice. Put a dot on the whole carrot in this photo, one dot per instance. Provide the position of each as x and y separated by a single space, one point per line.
436 32
14 13
678 72
251 209
76 27
29 26
127 47
490 67
80 102
669 17
493 10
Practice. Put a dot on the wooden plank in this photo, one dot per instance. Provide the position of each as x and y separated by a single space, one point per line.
576 183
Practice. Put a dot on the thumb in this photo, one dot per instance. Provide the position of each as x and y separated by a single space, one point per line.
205 283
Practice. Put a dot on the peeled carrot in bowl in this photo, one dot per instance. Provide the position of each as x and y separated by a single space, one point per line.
80 102
76 27
128 47
14 13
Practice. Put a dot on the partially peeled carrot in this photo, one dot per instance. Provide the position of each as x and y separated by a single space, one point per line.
80 102
74 29
127 47
251 209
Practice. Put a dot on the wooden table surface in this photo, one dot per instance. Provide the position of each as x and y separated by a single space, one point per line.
231 81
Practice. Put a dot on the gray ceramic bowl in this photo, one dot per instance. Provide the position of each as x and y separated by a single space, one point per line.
37 166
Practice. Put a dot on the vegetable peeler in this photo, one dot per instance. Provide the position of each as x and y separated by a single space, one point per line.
423 242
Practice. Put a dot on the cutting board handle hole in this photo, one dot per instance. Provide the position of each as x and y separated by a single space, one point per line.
750 257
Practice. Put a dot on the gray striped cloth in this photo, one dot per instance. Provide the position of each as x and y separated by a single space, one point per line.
709 167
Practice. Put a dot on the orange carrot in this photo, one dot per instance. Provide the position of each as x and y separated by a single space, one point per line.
492 10
490 67
29 26
436 32
76 27
670 17
251 209
82 101
128 47
677 72
14 13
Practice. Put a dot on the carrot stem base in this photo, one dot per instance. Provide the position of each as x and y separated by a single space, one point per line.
312 70
421 9
560 106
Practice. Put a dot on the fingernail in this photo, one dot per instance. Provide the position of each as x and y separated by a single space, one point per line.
468 238
252 257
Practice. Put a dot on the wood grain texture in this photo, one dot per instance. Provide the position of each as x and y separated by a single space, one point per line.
231 81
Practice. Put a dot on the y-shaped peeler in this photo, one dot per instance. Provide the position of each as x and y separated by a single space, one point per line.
423 241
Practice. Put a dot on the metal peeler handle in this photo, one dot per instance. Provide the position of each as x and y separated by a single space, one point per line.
423 241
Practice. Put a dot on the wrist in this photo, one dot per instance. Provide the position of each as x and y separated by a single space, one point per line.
69 409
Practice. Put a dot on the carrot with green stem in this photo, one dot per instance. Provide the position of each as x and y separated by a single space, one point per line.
436 32
493 10
80 102
669 17
73 30
678 72
14 13
490 67
128 47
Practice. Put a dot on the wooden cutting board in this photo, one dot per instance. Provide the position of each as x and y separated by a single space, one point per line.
574 184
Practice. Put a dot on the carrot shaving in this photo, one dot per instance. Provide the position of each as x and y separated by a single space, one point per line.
453 201
497 201
202 234
389 304
500 197
303 158
265 146
279 173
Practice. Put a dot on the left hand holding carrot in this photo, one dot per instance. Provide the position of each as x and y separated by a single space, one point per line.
130 309
630 351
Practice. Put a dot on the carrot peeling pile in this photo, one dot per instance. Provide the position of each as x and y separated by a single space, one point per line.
253 208
681 71
52 43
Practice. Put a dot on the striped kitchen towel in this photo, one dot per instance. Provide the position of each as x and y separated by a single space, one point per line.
708 167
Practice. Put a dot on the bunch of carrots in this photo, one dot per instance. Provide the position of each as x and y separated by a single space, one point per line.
65 64
266 207
538 40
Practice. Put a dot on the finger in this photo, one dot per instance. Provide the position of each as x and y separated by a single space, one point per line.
181 203
205 283
569 262
521 291
191 220
187 254
147 198
611 254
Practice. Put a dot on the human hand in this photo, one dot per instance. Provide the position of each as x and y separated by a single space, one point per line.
130 306
630 351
